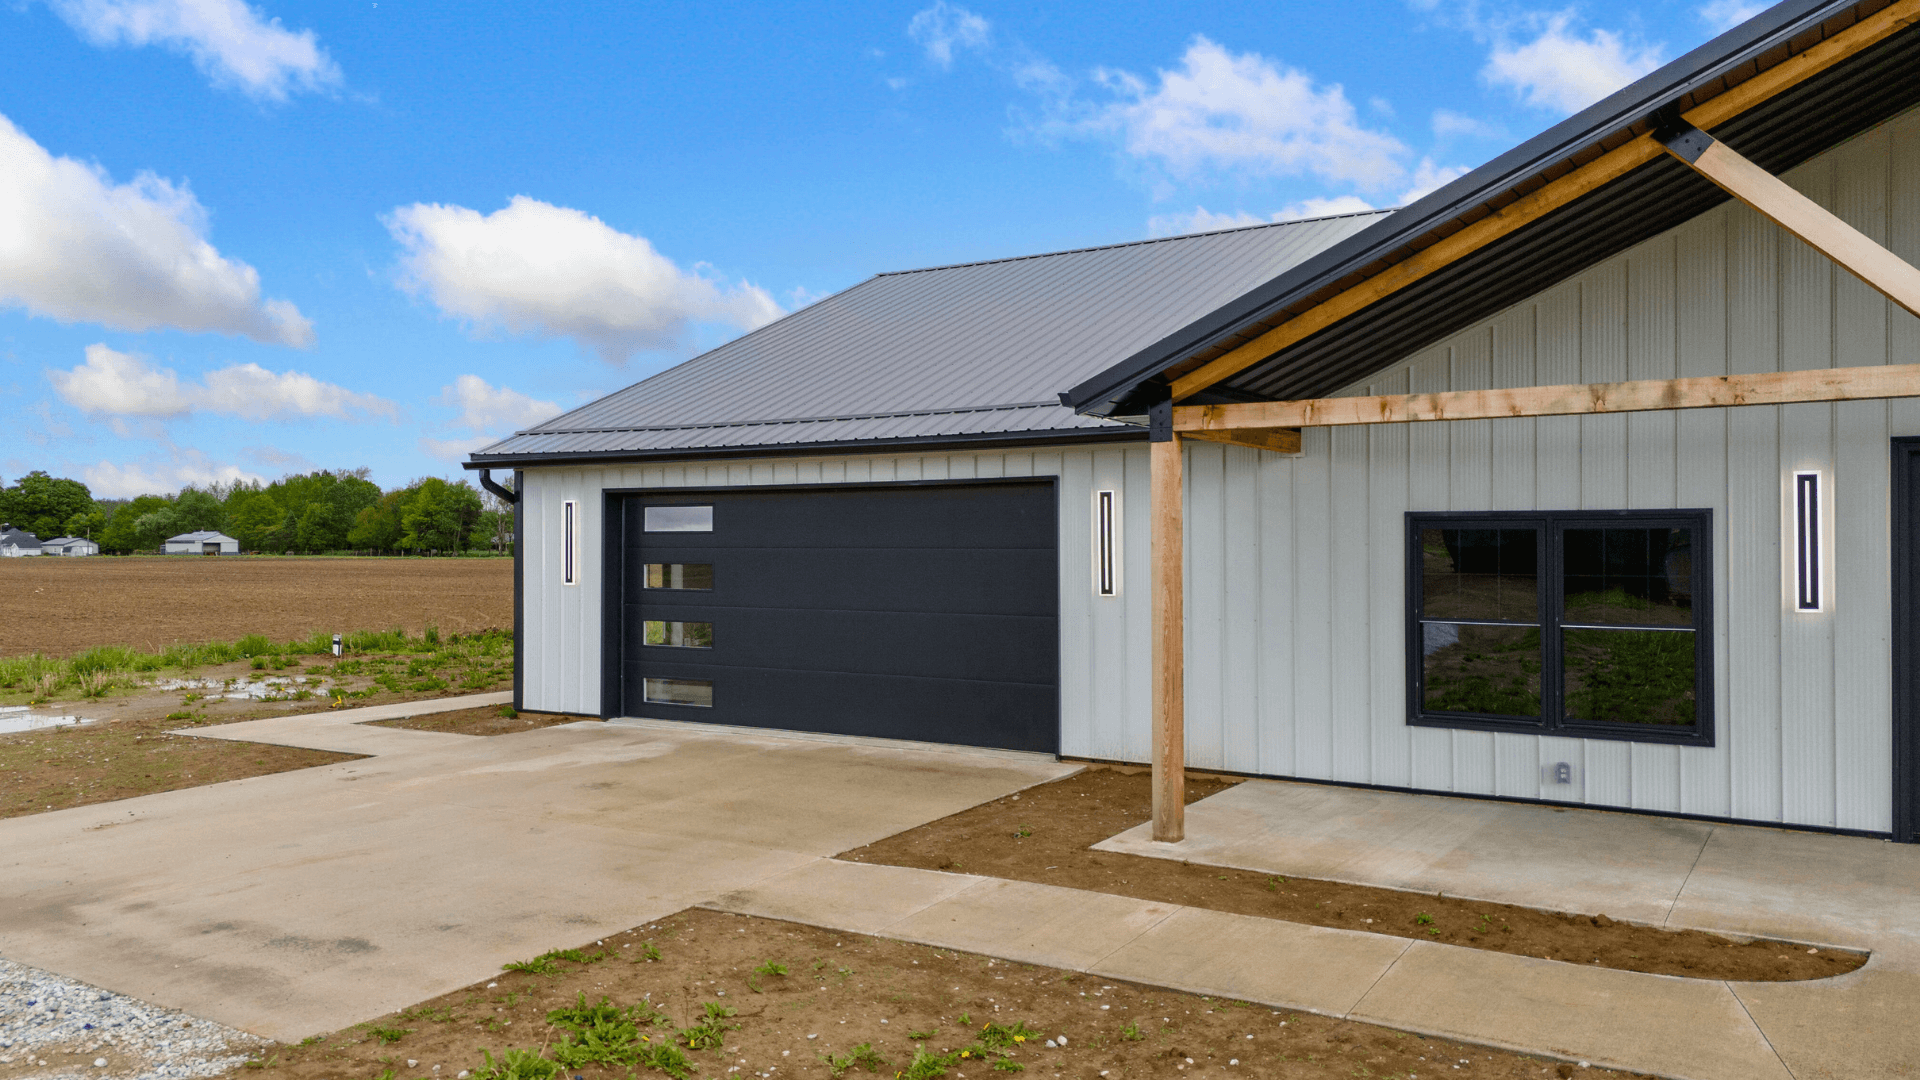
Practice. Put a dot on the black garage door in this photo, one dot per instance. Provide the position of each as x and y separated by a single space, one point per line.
908 612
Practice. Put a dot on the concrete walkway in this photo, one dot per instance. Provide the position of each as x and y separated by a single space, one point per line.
1831 890
305 901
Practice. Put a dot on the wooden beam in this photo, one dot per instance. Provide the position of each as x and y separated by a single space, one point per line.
1169 642
1776 200
1537 204
1649 395
1278 440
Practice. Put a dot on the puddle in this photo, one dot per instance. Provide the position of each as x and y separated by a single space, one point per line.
271 688
17 718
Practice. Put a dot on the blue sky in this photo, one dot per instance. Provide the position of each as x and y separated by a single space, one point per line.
239 240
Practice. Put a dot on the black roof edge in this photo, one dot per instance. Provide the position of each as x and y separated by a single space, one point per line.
1128 381
915 443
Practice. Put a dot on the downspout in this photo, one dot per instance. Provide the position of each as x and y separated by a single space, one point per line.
506 494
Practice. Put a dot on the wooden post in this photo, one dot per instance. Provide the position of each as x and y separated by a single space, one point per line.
1169 637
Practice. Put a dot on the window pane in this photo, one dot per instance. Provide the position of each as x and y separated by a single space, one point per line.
1481 669
1630 676
681 692
679 575
1630 577
679 519
1479 574
680 635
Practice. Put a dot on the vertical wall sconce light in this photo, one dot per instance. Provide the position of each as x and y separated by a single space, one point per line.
1106 544
1806 541
567 543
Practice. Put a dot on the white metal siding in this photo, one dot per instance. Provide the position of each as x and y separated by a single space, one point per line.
1295 579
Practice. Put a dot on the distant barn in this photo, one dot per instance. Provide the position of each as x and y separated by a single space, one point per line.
69 545
201 543
16 542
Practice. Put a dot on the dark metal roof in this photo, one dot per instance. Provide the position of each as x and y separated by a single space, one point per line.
961 351
1802 121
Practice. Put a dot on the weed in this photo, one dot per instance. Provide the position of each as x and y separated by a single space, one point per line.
1001 1037
922 1034
1274 883
648 953
711 1032
385 1075
390 1034
966 1019
771 968
179 716
507 713
1132 1032
1423 919
513 1065
539 965
1007 1065
667 1058
1023 832
925 1066
311 1039
863 1055
258 1064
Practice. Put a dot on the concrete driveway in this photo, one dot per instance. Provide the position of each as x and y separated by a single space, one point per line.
302 902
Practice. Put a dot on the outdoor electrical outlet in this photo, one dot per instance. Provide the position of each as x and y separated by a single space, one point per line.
1562 772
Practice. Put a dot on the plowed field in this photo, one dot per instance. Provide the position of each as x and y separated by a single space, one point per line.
60 606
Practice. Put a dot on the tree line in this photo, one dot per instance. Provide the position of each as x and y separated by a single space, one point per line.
311 513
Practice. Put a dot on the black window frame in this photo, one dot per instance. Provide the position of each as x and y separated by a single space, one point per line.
1551 525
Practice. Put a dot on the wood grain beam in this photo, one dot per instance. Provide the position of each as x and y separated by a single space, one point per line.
1647 395
1278 440
1167 556
1777 201
1529 208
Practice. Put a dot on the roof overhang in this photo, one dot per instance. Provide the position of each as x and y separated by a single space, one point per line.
1794 81
914 444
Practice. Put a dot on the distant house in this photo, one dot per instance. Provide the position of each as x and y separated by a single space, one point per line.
69 545
201 543
15 542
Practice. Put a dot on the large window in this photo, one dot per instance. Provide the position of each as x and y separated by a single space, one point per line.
1578 623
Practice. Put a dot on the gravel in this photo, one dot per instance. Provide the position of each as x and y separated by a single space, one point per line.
52 1028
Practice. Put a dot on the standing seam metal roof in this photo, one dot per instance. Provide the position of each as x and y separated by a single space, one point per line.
970 349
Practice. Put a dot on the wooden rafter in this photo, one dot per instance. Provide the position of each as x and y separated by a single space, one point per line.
1278 440
1648 395
1537 204
1777 201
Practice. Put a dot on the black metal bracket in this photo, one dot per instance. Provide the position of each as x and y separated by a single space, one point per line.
506 494
1160 422
1672 131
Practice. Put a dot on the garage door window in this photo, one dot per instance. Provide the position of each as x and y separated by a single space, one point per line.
680 635
695 692
693 576
679 519
1593 624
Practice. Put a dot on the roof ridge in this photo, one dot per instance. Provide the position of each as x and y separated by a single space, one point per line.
1136 243
794 419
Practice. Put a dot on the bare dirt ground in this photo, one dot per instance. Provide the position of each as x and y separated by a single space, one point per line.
488 720
731 996
63 606
1045 835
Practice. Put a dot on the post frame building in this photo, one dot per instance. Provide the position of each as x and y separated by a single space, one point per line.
1589 478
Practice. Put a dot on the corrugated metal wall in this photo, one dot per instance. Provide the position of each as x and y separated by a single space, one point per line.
1295 613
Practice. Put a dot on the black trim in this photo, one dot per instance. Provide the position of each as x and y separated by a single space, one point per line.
519 596
1550 525
1905 500
916 444
1601 126
613 581
1681 139
1601 808
1806 541
505 494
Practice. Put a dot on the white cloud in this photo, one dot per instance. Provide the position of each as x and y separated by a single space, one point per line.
942 27
1429 177
274 457
76 247
177 468
455 450
532 267
117 384
1447 123
1244 114
234 44
1563 71
488 408
1203 220
1724 15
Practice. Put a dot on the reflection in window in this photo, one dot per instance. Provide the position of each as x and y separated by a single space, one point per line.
680 635
1481 669
1628 577
1481 574
1630 676
679 575
696 692
679 519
